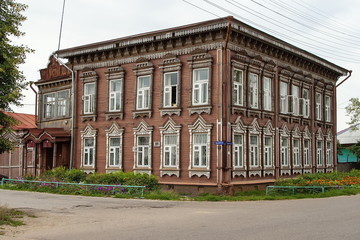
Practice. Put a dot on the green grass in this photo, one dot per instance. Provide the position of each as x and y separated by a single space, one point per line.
10 216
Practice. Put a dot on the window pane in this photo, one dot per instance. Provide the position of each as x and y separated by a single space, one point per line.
143 140
114 141
201 74
200 138
89 142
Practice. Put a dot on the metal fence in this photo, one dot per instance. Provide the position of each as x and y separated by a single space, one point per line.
111 188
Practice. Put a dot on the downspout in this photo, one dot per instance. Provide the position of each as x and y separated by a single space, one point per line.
335 121
225 109
72 109
36 102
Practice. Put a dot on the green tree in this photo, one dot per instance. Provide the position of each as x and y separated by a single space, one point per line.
355 149
12 80
353 110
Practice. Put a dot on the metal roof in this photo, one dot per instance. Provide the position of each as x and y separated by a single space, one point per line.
349 135
26 121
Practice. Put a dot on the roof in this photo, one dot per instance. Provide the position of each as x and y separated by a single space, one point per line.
25 121
349 135
197 28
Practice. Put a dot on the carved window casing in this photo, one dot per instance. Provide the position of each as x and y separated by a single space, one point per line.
268 149
200 141
56 104
296 151
143 148
201 77
114 147
239 149
304 103
306 148
143 72
284 151
88 149
171 86
170 149
254 139
283 97
329 150
89 95
115 103
319 151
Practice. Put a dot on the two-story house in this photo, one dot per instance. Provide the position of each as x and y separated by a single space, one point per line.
211 104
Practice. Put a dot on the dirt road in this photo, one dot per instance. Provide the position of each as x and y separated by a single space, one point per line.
77 217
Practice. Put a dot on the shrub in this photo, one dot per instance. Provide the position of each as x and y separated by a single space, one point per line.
75 175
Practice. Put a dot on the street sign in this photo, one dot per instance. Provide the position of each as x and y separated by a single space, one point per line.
219 142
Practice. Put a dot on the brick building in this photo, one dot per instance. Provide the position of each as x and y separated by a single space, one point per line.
212 104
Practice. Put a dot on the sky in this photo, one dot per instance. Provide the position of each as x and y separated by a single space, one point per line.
327 28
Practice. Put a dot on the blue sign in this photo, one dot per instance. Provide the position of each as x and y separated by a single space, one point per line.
219 142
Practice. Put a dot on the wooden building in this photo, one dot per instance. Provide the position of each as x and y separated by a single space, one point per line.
212 104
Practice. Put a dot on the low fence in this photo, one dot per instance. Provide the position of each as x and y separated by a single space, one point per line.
111 188
296 189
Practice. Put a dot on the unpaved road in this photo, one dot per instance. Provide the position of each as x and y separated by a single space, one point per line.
76 217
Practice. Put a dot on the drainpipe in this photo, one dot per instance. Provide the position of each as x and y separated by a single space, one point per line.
36 102
72 109
225 109
335 121
350 71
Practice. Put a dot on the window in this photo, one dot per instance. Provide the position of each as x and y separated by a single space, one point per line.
328 153
200 86
283 96
143 93
293 100
238 151
200 150
327 108
49 105
114 152
319 157
89 98
296 153
89 151
318 106
253 88
284 151
115 95
170 150
238 87
304 104
171 89
254 151
306 152
56 104
143 148
268 151
267 94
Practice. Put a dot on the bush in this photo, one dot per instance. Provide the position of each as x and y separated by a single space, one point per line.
75 175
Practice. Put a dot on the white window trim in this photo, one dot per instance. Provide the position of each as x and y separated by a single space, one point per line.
254 153
296 153
319 153
238 89
283 98
143 91
267 94
239 129
143 129
114 131
198 85
165 105
90 98
318 106
170 128
254 91
113 94
327 108
237 153
88 133
200 126
284 150
269 150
